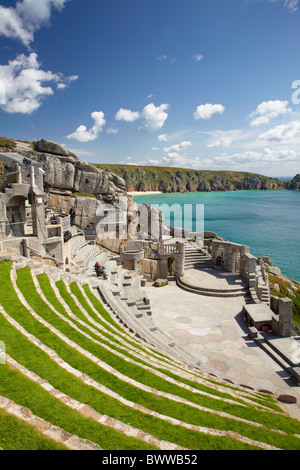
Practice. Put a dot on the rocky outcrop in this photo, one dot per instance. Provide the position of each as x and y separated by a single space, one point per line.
65 171
48 146
295 183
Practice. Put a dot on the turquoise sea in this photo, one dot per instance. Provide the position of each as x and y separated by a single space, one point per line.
267 221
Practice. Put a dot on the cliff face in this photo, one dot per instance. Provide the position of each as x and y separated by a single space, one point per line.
65 171
295 183
170 180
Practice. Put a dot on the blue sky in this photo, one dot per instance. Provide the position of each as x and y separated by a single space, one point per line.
205 84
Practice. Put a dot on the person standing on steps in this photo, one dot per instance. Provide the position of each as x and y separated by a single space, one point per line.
72 215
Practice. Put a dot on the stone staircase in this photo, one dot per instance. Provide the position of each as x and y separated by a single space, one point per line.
283 351
194 257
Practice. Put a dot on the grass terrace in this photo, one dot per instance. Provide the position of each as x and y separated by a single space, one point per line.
72 365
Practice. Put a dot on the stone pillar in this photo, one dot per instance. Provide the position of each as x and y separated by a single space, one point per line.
274 304
285 317
32 177
180 260
26 249
38 212
250 270
19 174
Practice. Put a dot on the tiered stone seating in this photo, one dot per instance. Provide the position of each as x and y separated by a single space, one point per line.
54 433
87 370
76 243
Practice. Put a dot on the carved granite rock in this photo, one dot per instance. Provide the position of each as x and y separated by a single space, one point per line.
47 146
64 170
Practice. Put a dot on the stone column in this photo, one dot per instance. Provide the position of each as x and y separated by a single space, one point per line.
32 177
19 174
180 260
26 249
285 317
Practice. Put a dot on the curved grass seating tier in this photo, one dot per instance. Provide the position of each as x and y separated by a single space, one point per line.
74 367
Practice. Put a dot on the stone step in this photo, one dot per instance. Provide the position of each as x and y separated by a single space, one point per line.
5 256
139 323
234 292
274 345
46 428
268 349
199 262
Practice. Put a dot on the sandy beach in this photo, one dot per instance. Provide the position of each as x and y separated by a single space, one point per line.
143 193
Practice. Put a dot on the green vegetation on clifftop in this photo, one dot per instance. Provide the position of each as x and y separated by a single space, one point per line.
150 178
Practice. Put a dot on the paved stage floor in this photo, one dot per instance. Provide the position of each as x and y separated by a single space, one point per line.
213 331
212 279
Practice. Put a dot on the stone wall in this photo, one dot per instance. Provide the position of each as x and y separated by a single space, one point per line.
232 256
282 321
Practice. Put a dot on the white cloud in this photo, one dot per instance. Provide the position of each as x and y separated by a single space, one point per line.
291 5
282 132
155 117
222 142
112 130
206 111
178 147
67 81
225 139
197 57
250 159
26 18
174 159
173 155
268 110
82 134
81 152
166 58
22 82
127 115
163 137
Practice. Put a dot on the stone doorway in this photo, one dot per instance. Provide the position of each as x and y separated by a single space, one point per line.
16 215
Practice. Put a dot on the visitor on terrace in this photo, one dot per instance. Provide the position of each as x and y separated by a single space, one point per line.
72 215
100 270
220 261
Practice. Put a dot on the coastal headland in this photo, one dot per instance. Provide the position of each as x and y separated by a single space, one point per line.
180 180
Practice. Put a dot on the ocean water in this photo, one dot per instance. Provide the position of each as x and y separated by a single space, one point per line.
267 221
